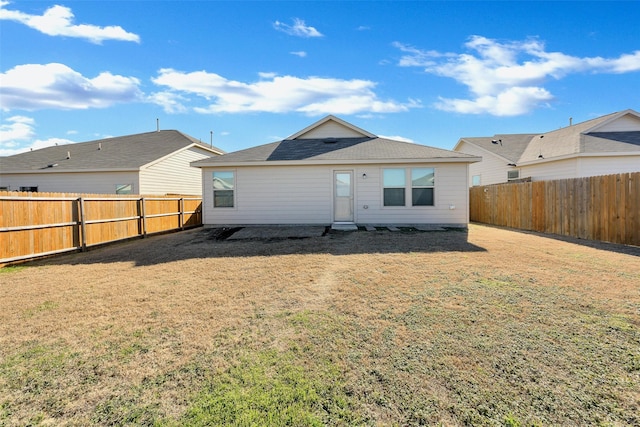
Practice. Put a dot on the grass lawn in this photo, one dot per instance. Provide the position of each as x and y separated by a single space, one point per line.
490 327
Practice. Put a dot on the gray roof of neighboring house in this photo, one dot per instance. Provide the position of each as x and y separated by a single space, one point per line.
595 142
575 139
508 146
342 150
129 152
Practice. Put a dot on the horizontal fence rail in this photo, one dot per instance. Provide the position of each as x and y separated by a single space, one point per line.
38 224
605 208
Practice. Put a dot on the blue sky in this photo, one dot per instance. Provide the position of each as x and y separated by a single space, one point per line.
255 72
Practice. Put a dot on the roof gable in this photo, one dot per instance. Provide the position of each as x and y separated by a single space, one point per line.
623 121
330 146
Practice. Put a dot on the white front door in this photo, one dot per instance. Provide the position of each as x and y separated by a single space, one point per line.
343 196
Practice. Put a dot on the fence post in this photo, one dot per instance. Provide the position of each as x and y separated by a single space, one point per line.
143 218
83 225
181 207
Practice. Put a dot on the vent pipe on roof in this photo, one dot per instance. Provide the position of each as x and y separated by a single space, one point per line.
99 145
157 125
211 139
570 121
68 154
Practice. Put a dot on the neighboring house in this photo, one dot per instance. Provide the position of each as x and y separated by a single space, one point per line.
333 172
152 163
606 145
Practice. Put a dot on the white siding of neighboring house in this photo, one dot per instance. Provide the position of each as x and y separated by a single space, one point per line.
492 169
594 166
622 124
581 167
68 182
560 169
174 175
304 195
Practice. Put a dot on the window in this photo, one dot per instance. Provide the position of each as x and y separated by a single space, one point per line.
513 175
30 189
223 186
421 192
422 183
124 188
475 180
394 187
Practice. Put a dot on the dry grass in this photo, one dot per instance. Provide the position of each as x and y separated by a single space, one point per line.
490 328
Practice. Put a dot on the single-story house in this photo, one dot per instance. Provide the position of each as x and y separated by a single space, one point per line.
333 172
605 145
152 163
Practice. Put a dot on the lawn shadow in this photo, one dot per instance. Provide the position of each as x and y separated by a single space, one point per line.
595 244
215 243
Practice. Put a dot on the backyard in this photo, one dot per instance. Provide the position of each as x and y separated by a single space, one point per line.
485 327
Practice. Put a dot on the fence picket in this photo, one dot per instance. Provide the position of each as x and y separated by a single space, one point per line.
35 224
603 208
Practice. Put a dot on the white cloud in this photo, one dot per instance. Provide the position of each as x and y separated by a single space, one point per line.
298 29
36 86
398 138
507 78
300 53
280 94
170 102
17 133
16 128
58 21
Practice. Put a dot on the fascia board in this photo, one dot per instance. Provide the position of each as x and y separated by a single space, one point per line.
54 170
341 162
578 155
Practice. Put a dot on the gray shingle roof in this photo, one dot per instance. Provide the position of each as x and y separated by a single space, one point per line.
378 150
509 146
570 140
595 142
129 152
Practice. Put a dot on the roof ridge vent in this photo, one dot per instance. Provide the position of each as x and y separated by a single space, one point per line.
330 140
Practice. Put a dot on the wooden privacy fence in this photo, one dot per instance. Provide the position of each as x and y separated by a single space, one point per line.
605 208
39 224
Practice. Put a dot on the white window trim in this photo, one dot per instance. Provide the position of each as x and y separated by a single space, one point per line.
513 170
235 190
408 196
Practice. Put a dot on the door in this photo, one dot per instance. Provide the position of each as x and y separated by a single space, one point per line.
343 196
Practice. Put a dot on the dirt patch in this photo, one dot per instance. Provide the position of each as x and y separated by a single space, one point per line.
483 327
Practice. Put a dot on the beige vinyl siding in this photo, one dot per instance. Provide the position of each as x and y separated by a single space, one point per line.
69 182
304 195
273 195
174 175
451 189
492 169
